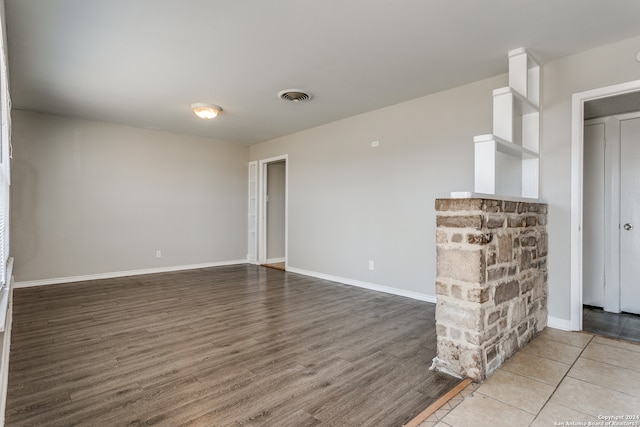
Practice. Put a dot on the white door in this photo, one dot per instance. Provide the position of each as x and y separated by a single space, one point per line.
593 276
252 244
630 215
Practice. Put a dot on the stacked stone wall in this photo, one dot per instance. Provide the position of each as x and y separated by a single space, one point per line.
491 282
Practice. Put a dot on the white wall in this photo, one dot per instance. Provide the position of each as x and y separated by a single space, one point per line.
350 203
91 198
604 66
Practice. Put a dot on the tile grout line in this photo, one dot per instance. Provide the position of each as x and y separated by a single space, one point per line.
501 368
591 339
524 349
562 379
607 363
478 389
431 409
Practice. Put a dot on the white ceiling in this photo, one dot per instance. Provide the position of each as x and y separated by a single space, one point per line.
143 62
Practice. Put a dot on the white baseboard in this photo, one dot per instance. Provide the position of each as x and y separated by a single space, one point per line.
365 285
58 280
275 260
4 356
5 296
562 324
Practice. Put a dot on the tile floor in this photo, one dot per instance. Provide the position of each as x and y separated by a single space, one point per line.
559 378
616 325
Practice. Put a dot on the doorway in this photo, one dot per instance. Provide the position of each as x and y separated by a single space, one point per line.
610 270
272 216
609 288
275 203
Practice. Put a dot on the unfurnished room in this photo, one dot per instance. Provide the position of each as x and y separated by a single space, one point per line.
290 213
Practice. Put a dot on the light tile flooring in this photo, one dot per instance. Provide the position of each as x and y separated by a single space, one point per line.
559 378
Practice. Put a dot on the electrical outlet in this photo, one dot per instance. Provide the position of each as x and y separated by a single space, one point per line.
371 264
158 253
375 144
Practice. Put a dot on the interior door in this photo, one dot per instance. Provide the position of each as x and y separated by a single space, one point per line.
593 277
252 245
275 212
630 215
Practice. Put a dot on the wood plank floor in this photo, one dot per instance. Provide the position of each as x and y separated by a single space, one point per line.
226 346
277 266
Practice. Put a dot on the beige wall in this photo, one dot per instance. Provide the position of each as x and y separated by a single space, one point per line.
91 198
607 65
105 191
350 203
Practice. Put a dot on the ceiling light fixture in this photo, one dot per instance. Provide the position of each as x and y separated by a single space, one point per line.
205 111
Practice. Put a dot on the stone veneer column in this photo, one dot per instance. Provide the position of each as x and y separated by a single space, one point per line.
491 282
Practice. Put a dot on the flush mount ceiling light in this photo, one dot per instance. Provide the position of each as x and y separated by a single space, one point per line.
294 95
205 111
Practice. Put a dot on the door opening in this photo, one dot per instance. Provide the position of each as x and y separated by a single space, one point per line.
596 197
272 202
611 196
611 289
274 220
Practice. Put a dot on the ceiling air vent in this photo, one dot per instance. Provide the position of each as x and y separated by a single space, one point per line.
294 95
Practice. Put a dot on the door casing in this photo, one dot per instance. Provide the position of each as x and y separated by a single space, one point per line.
577 177
262 208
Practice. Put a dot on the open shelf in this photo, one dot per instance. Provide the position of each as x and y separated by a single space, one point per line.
507 161
515 118
506 147
522 105
524 75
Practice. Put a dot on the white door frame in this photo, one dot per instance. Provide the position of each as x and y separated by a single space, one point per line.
262 208
577 158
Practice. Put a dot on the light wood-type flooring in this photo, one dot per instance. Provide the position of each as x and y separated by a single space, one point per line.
226 346
277 266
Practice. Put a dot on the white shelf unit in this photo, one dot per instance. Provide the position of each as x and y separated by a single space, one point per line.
507 162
